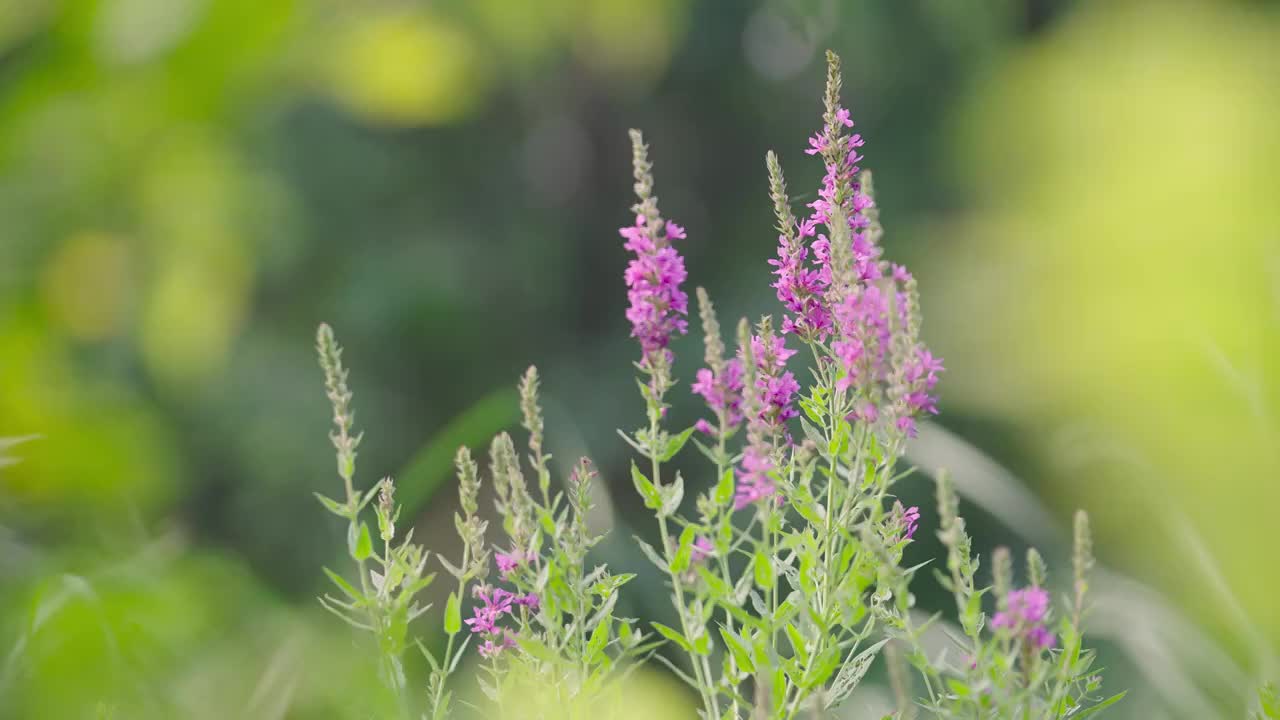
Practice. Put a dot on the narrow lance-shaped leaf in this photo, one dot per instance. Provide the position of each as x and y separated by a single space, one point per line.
646 488
673 635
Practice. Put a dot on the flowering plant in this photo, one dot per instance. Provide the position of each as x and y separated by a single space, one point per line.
787 579
807 589
546 622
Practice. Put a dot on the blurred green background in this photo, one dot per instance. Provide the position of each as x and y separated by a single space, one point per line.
1087 190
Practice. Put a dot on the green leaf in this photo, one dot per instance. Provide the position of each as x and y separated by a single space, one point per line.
359 543
652 554
684 551
652 498
720 589
364 544
368 495
333 506
453 615
604 613
812 410
839 444
612 583
674 444
851 673
808 510
972 618
763 571
712 455
779 690
672 635
431 658
812 433
724 488
702 644
672 495
537 648
600 637
822 670
741 656
343 585
798 644
676 671
1103 705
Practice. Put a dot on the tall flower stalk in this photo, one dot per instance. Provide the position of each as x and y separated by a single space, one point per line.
657 310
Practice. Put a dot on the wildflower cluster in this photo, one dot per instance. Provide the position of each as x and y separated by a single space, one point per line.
552 625
1021 668
788 581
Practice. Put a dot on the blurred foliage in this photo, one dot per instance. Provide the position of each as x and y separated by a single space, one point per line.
188 186
1133 230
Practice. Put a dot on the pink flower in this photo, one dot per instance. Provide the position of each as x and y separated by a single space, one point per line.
867 412
507 562
907 425
702 549
753 482
505 640
1025 615
910 519
723 394
497 602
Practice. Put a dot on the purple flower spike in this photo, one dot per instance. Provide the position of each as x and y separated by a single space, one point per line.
658 305
845 294
657 308
772 405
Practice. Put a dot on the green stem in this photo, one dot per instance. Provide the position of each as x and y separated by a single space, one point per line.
721 458
443 673
708 695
